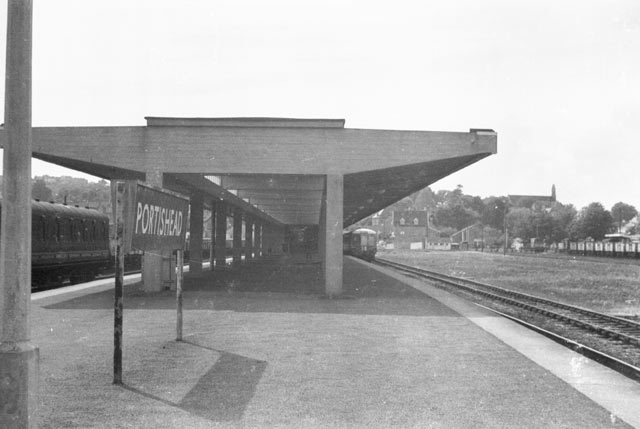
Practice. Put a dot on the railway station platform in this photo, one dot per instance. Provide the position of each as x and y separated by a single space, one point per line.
264 347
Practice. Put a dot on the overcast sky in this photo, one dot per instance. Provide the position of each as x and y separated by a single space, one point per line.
558 80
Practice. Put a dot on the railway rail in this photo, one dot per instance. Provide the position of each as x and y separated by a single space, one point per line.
626 333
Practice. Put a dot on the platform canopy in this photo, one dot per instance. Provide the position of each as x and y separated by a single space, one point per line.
271 168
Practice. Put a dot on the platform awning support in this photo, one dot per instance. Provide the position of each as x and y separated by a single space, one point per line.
331 234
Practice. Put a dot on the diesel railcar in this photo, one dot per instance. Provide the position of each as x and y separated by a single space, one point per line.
361 243
67 243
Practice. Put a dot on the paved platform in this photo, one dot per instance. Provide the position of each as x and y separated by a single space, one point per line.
264 348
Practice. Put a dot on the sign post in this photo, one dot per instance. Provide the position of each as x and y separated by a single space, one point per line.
147 218
179 264
118 302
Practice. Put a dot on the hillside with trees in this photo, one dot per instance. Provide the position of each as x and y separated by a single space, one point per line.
450 211
73 191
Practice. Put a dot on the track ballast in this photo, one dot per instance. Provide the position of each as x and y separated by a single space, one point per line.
622 333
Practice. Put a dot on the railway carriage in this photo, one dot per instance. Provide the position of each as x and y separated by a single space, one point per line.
361 243
614 245
67 243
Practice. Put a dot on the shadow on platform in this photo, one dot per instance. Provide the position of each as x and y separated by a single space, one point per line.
223 393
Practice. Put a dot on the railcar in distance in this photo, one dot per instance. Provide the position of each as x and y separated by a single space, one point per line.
361 243
67 243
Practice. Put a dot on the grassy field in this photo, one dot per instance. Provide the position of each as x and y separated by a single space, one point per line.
608 287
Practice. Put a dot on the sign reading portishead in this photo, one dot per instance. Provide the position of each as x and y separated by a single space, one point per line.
156 219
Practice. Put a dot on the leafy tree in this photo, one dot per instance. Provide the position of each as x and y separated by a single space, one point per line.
520 223
454 198
456 217
424 198
593 221
493 237
561 218
40 191
621 213
475 204
456 210
493 213
447 231
542 224
405 204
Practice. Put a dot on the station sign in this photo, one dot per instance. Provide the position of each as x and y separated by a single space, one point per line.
155 219
146 218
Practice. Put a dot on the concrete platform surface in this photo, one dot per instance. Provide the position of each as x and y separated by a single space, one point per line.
264 348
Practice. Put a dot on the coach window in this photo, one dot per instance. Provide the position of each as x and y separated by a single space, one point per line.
43 223
58 230
38 232
74 231
51 229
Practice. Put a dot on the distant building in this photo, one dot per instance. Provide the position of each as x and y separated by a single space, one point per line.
617 238
471 237
534 201
412 229
378 223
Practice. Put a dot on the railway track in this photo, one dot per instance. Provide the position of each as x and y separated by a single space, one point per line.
623 332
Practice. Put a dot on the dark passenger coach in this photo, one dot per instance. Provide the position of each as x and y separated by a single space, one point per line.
67 243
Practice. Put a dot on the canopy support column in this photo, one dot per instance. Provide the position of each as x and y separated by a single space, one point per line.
221 236
212 242
258 240
196 218
331 233
249 239
237 238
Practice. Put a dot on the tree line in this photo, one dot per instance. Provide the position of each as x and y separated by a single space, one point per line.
73 191
552 221
449 211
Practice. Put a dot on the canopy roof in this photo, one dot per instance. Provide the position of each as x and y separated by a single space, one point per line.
272 168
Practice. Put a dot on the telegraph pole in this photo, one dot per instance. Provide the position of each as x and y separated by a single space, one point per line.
506 232
18 357
426 237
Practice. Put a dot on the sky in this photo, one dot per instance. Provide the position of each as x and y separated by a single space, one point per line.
559 81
